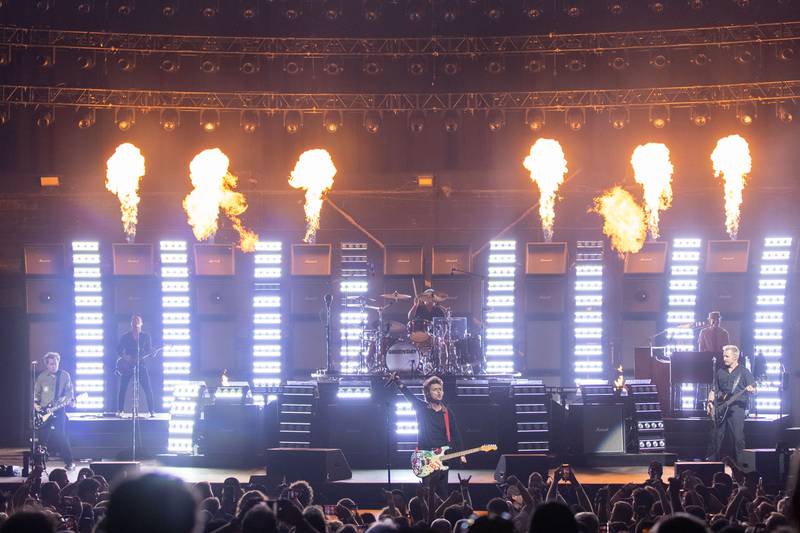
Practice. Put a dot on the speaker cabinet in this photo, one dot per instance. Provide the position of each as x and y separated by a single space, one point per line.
311 464
726 293
50 335
651 259
545 295
135 295
133 259
642 294
459 290
447 257
215 296
402 260
769 464
44 296
307 296
44 259
311 259
115 470
365 447
546 258
704 470
635 333
217 346
601 427
214 260
544 347
232 430
522 465
727 256
307 346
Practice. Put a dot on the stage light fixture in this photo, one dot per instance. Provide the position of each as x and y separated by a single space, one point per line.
744 56
249 9
575 62
450 11
292 10
746 113
619 117
331 10
452 121
659 116
332 67
696 5
700 59
372 67
495 119
45 59
209 8
371 10
533 9
5 115
45 117
500 289
249 65
744 4
575 119
784 53
43 6
86 118
170 120
88 319
126 63
415 11
372 121
85 7
209 65
619 63
656 6
784 112
416 121
176 305
292 122
86 61
5 57
588 351
535 119
700 115
495 65
126 8
494 10
332 121
209 120
267 319
659 60
293 68
573 8
416 66
169 9
451 67
170 64
616 7
249 121
124 118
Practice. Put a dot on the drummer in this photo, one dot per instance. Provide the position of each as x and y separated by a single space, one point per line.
426 307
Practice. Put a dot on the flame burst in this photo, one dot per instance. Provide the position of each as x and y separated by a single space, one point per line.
732 161
313 172
547 166
213 190
653 170
124 171
624 220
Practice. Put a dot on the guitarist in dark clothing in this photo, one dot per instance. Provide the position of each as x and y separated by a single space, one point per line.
133 347
437 426
53 388
727 404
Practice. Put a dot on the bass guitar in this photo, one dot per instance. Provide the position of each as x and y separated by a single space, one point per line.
44 414
127 363
425 462
718 409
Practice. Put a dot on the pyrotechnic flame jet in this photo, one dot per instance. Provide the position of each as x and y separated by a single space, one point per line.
547 166
623 220
314 172
732 161
124 171
653 170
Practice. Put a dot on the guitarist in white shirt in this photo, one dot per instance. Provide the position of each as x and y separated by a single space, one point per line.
53 387
734 383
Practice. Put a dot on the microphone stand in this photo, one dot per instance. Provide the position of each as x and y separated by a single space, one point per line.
484 280
135 399
715 436
328 299
34 436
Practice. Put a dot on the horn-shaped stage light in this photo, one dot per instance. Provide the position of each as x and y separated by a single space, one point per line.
624 220
547 166
653 170
732 161
213 190
313 172
124 171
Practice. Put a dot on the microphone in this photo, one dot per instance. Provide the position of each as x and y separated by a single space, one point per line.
328 298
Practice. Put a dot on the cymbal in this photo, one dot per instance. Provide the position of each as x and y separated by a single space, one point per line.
396 296
360 298
376 307
440 296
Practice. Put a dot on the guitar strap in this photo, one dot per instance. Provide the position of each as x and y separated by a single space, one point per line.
447 425
736 383
56 392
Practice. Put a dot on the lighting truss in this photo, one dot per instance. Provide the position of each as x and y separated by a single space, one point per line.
682 304
89 347
592 99
175 317
588 351
278 47
500 298
768 319
267 316
354 282
182 416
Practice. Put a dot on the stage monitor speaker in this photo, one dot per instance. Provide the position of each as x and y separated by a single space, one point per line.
704 470
522 465
44 259
769 464
545 296
544 345
726 293
311 464
602 428
727 256
45 296
311 260
651 259
546 258
446 257
306 296
232 430
402 260
112 470
133 259
215 296
307 346
459 291
643 294
135 296
214 260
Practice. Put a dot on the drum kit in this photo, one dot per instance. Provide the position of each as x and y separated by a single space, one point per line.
425 347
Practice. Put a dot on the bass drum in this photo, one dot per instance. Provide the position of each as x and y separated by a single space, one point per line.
403 356
469 350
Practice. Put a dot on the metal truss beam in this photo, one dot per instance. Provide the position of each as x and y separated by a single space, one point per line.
728 94
721 36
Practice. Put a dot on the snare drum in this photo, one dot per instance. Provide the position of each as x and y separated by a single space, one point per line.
403 356
420 331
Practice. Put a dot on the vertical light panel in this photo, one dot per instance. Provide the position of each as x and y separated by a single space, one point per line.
500 290
175 317
405 420
682 304
182 416
768 333
89 351
588 353
267 318
354 282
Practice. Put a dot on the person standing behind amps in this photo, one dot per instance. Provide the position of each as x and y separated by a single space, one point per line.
132 346
732 378
54 386
713 338
436 425
429 308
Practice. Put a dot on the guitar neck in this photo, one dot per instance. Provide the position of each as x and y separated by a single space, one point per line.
460 454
